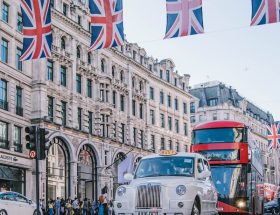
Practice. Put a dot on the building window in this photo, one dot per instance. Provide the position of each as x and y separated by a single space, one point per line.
114 97
133 107
78 83
177 125
50 108
89 58
62 43
186 148
162 120
185 129
150 67
152 93
80 119
152 116
113 71
161 74
183 86
177 147
104 125
3 94
18 62
122 102
89 88
192 107
192 119
141 111
19 22
63 76
140 85
170 144
226 116
79 20
17 139
90 122
212 102
167 75
142 138
122 76
162 143
5 12
215 116
65 9
63 113
175 82
4 143
50 70
4 51
102 65
141 59
135 136
123 132
170 123
176 104
78 53
185 107
134 55
161 97
153 147
19 109
169 101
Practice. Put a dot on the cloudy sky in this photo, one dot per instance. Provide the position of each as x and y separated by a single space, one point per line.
246 58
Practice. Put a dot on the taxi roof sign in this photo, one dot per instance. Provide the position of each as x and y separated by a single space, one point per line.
168 152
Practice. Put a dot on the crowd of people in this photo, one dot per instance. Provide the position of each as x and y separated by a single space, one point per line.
78 207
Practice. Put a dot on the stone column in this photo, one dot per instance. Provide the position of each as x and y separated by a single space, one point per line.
73 179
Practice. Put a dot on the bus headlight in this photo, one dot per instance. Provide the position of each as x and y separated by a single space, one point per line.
181 190
121 191
241 204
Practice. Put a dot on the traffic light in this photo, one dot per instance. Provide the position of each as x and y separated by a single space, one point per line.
31 138
44 143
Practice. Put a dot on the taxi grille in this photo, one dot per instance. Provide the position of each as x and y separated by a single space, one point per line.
148 196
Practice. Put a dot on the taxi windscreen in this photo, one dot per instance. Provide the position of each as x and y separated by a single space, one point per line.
165 166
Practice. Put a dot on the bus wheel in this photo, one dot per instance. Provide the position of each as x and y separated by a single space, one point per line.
195 209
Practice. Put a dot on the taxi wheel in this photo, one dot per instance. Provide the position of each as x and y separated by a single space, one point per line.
3 212
195 209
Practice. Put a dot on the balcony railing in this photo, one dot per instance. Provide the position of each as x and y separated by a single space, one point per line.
3 104
19 110
4 143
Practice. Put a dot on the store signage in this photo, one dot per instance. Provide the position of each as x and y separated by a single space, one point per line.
7 158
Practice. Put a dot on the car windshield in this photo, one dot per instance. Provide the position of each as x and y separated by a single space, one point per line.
165 166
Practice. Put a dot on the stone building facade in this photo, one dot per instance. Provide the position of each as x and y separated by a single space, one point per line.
96 106
216 101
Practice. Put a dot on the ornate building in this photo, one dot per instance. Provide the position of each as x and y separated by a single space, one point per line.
216 101
97 106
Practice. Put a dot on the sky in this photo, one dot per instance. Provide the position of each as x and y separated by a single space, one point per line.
246 58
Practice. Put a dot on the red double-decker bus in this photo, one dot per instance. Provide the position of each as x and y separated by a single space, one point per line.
236 165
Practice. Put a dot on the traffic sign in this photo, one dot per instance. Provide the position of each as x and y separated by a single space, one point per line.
32 154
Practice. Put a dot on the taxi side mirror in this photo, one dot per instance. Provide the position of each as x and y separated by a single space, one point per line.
128 177
204 175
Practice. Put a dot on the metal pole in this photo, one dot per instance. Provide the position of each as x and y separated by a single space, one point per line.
37 170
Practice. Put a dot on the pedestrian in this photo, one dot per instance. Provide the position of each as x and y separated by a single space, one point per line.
76 206
110 208
50 207
68 207
57 206
85 207
101 210
62 207
92 207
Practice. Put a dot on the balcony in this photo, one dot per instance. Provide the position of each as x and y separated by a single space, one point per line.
19 110
4 143
3 104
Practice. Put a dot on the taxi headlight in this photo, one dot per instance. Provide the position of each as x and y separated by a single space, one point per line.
121 191
181 190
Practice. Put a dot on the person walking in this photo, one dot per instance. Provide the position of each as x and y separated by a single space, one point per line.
101 209
110 208
62 207
57 206
68 207
76 206
85 207
50 207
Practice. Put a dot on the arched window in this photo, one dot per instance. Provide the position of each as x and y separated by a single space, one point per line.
122 76
140 85
78 52
113 71
62 43
103 65
89 58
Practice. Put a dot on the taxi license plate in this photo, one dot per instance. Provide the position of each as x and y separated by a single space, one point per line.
147 213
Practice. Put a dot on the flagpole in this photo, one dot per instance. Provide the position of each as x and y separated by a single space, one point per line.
118 159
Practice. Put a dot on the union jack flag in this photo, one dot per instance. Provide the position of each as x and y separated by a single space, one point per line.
273 135
265 12
106 23
184 17
37 32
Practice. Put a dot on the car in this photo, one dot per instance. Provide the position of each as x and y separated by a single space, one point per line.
12 203
272 207
168 183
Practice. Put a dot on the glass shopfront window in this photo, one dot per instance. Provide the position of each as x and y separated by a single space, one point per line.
12 179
